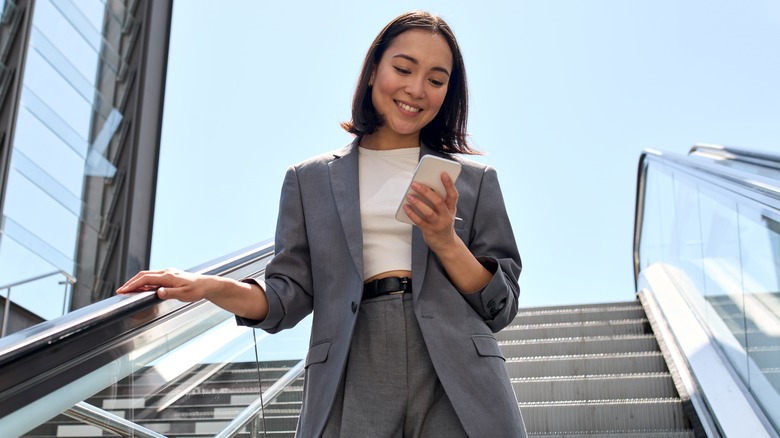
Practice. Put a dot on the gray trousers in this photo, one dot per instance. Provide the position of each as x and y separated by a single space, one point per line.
390 388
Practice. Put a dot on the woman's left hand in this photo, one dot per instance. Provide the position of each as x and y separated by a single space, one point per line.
436 218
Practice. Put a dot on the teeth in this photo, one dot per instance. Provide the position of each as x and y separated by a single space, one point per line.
409 108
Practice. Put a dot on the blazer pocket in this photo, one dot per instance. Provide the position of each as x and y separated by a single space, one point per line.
487 346
462 229
318 353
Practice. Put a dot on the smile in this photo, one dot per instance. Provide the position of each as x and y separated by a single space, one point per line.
406 107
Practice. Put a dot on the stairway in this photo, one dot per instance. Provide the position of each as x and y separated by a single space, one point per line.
592 371
578 371
201 411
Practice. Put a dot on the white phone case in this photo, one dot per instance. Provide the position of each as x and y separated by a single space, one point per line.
428 172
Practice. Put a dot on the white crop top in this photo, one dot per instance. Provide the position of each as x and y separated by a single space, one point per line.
384 176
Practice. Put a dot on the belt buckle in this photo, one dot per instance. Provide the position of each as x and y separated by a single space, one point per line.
404 284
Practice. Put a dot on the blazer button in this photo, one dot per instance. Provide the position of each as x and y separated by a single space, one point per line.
491 304
354 306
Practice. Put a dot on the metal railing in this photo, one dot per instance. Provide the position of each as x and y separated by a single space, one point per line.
256 408
69 281
103 331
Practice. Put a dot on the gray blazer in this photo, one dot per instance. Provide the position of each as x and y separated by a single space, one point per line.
318 267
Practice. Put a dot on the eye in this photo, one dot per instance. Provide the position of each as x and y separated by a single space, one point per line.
436 82
402 70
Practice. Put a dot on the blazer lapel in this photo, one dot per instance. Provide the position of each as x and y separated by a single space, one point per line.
345 184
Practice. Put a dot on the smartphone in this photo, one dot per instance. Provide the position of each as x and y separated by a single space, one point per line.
428 173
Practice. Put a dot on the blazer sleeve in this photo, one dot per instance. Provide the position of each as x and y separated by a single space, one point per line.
288 276
493 243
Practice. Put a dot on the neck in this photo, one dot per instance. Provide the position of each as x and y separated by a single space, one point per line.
383 141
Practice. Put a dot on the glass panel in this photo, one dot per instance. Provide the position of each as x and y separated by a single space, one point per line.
760 243
729 249
188 376
65 125
69 72
657 222
82 25
41 111
722 278
45 182
47 296
53 91
50 26
50 153
688 239
42 217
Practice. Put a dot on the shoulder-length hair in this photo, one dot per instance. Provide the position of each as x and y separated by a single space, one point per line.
447 131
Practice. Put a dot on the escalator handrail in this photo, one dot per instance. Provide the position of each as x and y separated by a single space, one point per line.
767 189
47 333
760 158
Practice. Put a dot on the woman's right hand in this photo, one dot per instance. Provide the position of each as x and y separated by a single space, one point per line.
171 284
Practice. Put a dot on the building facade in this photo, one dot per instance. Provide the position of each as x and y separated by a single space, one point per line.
81 98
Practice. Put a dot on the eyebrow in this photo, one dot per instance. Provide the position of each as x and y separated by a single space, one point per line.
414 61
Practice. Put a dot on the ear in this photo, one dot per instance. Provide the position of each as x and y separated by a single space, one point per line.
372 76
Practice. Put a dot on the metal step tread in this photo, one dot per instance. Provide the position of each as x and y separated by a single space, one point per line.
602 322
592 364
580 346
613 402
592 377
579 314
577 339
585 356
595 309
613 304
684 433
605 416
594 387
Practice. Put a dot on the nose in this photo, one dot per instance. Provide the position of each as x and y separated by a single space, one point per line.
415 88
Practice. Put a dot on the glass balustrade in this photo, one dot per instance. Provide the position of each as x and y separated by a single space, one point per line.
164 369
723 242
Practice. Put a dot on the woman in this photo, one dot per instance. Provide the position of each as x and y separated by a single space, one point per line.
403 316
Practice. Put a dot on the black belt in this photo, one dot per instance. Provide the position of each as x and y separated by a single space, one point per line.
385 286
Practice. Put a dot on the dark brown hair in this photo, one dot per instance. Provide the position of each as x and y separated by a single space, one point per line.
447 131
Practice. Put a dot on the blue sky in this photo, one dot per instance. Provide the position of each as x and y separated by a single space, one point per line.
564 96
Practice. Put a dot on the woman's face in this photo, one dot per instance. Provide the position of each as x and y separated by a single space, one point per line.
410 82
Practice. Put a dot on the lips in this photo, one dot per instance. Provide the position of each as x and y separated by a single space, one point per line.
407 107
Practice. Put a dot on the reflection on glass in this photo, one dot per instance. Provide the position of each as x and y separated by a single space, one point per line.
192 376
66 135
729 249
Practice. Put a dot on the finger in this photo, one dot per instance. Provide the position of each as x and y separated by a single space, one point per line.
144 281
415 216
422 208
452 193
135 281
435 203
